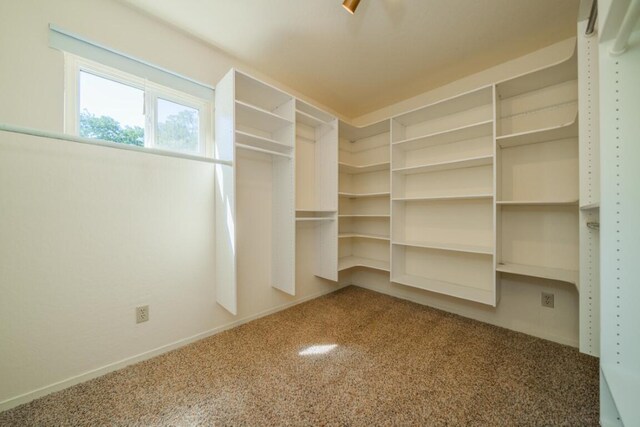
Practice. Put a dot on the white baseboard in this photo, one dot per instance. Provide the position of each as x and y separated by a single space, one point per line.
94 373
544 334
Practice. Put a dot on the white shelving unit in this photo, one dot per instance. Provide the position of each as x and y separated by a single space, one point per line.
442 224
317 183
252 115
364 197
537 173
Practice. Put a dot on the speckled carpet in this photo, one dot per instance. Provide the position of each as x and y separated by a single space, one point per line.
353 357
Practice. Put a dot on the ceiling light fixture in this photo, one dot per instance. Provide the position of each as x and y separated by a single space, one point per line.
351 5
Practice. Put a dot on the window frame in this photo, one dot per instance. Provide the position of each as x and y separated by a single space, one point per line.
152 92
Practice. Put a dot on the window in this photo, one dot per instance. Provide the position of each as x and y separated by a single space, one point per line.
104 103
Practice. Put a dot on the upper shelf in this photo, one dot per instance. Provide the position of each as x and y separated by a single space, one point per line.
537 202
363 195
257 141
308 119
560 72
310 115
257 118
353 169
464 133
454 164
564 131
254 92
354 133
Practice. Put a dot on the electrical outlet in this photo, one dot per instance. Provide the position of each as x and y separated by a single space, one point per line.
142 313
547 299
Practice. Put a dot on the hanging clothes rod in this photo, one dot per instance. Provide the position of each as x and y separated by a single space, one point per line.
628 23
100 143
593 17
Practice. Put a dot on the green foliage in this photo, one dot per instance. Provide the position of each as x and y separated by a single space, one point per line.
179 132
109 129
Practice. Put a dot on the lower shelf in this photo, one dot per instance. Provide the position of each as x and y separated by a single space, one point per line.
569 276
362 236
452 289
348 262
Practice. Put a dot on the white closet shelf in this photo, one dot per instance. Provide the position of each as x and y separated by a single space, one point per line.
309 120
448 288
569 276
345 263
463 133
363 195
262 150
362 236
452 247
624 385
353 169
454 164
590 206
255 117
444 198
257 141
317 210
564 131
364 216
316 218
537 202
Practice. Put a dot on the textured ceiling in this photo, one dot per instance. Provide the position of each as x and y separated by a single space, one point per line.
388 51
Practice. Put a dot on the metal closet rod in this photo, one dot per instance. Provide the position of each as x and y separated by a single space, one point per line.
100 143
593 17
626 28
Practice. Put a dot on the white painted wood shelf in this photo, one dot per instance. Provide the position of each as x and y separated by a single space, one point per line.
309 120
554 133
363 195
255 117
441 166
447 288
362 236
248 139
444 198
364 216
452 247
590 206
537 202
569 276
462 133
354 169
345 263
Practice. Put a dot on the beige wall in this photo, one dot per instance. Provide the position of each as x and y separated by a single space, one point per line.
88 233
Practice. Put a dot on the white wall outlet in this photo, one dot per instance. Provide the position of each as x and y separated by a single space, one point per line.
142 313
547 300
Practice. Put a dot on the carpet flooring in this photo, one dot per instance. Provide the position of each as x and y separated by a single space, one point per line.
351 358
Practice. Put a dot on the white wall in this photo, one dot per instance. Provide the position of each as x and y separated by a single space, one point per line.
88 233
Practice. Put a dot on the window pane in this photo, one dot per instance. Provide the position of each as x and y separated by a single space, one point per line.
178 127
110 110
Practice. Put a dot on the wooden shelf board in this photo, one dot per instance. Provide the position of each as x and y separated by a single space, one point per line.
253 91
262 150
362 236
317 210
537 203
452 247
363 195
317 218
444 198
345 263
255 117
590 207
569 276
246 138
454 164
462 133
363 216
453 289
624 386
353 169
354 133
308 119
564 131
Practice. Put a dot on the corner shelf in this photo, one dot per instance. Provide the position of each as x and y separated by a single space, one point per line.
454 164
452 247
345 263
568 276
554 133
374 167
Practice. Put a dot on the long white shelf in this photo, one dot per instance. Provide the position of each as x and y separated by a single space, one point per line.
569 276
316 218
448 288
308 119
345 263
363 216
452 247
537 202
262 150
363 195
564 131
443 198
362 236
353 169
454 164
462 133
255 117
317 210
246 138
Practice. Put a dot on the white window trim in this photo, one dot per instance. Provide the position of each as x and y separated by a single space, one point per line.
152 91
